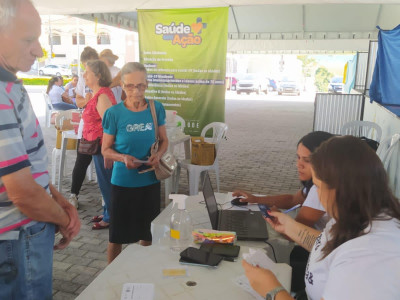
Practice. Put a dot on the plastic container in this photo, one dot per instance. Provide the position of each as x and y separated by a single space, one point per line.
180 226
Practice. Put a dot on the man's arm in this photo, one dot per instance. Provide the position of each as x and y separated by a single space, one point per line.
32 199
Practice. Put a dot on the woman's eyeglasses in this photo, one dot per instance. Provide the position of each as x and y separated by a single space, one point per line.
131 86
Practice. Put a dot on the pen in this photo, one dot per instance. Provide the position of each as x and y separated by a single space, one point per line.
290 209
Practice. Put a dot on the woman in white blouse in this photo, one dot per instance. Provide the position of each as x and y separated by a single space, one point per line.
357 256
58 96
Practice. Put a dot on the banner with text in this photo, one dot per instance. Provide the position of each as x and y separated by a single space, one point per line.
184 51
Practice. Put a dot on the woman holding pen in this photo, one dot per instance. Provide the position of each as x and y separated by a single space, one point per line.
311 213
357 256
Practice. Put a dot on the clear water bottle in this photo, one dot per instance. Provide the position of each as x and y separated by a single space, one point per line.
181 227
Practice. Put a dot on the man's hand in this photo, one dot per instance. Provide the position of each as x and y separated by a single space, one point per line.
70 230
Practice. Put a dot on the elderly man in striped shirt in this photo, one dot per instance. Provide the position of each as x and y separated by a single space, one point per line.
31 209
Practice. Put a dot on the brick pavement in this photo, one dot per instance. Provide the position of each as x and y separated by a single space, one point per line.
258 156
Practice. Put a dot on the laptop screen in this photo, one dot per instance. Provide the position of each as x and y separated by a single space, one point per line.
211 202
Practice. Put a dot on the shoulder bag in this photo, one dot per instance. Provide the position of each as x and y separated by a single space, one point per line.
89 147
168 163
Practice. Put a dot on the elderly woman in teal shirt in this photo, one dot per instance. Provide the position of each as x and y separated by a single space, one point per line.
128 135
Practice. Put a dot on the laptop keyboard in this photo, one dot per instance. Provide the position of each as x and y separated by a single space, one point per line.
234 221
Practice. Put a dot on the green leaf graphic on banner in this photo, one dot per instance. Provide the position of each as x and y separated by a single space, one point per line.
184 51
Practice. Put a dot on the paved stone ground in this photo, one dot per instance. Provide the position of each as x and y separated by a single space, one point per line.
258 156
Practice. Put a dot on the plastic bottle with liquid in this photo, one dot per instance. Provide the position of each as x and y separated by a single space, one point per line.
180 226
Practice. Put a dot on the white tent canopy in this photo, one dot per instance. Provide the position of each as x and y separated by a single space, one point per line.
263 25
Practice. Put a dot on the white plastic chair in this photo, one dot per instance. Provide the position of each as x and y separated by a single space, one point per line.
180 122
391 163
49 108
57 152
195 171
367 129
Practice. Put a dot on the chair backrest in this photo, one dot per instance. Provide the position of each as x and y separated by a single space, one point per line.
180 122
73 115
363 128
47 100
384 146
391 163
219 132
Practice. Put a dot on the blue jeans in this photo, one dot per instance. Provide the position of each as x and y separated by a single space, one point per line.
104 180
26 264
64 106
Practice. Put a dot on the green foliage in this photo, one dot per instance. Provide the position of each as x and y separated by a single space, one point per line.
308 64
41 81
322 77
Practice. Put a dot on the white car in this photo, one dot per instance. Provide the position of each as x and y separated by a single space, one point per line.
55 70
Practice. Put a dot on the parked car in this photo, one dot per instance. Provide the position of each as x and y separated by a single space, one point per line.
251 83
55 70
336 85
288 86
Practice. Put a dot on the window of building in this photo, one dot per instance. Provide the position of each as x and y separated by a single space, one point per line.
55 39
103 38
81 39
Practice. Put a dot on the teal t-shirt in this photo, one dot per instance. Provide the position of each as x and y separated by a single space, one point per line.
134 134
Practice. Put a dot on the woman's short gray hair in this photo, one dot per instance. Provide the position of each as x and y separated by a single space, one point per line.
131 67
8 11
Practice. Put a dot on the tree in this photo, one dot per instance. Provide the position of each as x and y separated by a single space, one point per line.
322 76
309 64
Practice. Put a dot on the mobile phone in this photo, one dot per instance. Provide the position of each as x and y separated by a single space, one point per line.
144 168
264 210
196 256
228 252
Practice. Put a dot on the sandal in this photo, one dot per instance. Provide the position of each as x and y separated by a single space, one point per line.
98 226
97 219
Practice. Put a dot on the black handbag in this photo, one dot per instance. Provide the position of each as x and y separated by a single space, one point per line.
89 147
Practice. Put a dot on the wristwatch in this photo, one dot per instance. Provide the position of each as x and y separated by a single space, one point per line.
271 295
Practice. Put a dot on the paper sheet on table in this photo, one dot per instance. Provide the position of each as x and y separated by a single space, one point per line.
137 291
256 257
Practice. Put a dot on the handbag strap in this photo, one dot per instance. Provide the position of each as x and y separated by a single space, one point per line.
153 114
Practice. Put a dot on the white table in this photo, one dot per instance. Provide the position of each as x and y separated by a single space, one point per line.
139 264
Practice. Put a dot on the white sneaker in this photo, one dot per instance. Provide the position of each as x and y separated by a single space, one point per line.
73 199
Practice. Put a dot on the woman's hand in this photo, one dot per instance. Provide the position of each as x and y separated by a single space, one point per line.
129 162
154 160
280 222
247 196
108 163
261 280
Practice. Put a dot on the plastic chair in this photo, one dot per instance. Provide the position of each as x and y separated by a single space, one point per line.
180 122
391 163
49 108
195 171
367 129
57 151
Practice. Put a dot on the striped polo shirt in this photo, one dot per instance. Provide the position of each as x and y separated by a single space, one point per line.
21 146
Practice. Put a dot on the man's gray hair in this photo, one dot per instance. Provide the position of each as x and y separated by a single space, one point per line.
131 67
8 11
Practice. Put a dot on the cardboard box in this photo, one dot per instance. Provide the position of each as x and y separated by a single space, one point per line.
71 144
203 153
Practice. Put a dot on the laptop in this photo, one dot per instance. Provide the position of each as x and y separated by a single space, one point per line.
248 225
